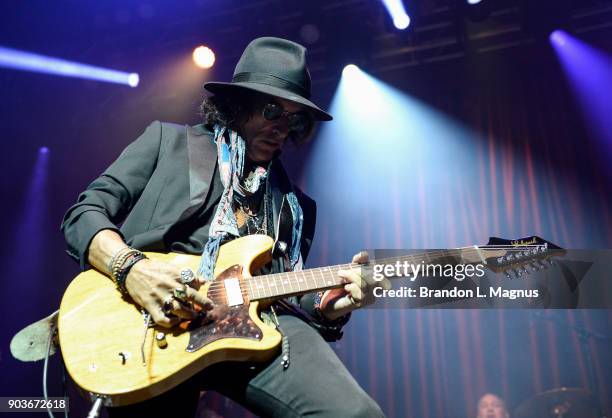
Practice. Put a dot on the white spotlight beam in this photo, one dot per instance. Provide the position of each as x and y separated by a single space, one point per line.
27 61
396 9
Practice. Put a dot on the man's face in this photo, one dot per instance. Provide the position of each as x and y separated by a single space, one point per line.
264 138
490 406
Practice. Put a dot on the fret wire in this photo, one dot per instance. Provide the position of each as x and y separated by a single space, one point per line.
269 287
290 279
281 281
301 279
275 284
251 293
330 272
294 281
322 276
312 276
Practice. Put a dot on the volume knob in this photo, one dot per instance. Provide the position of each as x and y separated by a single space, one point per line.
160 339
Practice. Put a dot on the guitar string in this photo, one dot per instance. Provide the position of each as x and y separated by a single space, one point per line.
335 268
217 288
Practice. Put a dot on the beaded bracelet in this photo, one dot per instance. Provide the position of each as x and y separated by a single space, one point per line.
118 264
124 270
120 261
115 258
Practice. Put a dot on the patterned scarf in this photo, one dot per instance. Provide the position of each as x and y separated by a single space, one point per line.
231 150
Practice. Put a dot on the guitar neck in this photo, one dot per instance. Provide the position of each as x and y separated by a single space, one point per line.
281 285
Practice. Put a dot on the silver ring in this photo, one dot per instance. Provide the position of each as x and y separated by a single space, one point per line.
187 276
180 294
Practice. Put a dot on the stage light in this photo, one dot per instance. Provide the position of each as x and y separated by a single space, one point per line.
27 61
350 70
43 150
402 21
589 73
203 57
558 37
390 144
396 10
473 1
133 80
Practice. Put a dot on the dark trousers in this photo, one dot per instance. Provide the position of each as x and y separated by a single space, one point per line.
315 384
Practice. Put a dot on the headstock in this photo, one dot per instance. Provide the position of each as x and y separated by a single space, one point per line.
519 257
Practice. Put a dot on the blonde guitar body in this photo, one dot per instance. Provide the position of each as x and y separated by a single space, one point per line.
102 335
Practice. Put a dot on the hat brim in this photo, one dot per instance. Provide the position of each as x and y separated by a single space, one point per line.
219 87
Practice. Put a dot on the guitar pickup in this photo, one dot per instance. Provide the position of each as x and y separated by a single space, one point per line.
233 292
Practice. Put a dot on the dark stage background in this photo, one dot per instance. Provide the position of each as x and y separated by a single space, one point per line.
532 166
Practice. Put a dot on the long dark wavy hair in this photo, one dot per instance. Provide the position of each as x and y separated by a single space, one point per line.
234 108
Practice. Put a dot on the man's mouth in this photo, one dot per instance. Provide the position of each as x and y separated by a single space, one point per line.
271 144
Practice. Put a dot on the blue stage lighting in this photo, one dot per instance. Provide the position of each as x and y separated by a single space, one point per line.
27 61
401 21
396 10
351 70
133 80
473 1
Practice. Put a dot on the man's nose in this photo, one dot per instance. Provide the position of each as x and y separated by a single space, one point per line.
281 129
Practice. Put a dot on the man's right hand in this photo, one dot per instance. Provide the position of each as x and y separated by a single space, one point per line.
151 284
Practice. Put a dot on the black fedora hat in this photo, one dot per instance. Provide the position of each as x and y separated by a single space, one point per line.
276 67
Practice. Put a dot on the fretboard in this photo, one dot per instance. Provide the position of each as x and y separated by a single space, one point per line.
279 285
272 286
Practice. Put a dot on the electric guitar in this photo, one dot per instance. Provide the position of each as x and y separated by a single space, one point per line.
113 350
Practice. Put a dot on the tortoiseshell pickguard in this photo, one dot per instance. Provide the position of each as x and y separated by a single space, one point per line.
223 321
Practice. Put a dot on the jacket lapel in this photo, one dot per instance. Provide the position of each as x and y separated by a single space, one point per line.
281 212
202 154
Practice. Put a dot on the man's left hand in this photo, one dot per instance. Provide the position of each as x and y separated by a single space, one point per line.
358 290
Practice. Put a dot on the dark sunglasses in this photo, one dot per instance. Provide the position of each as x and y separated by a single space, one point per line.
299 123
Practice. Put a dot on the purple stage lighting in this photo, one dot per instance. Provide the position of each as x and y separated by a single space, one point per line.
558 37
589 72
27 61
29 235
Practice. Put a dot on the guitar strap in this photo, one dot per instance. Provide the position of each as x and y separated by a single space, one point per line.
282 218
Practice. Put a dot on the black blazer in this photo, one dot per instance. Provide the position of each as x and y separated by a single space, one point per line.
160 179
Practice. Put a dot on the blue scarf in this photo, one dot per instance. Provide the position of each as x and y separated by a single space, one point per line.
231 150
